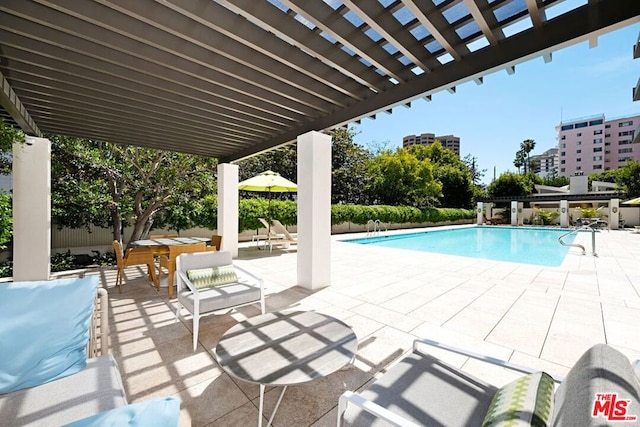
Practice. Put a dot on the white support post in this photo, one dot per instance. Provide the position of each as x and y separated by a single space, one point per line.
520 213
32 209
314 210
489 212
228 205
480 216
514 213
564 213
614 214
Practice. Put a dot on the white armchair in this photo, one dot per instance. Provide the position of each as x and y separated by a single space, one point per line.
248 289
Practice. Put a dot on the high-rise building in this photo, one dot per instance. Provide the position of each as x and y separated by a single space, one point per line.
545 164
594 144
448 141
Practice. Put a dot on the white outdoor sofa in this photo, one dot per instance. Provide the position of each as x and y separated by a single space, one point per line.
55 368
421 390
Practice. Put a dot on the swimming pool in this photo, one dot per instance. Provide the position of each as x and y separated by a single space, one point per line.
528 245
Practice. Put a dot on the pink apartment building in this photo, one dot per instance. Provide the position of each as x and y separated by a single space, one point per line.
594 144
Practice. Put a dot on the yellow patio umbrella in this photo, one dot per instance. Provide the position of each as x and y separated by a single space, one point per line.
268 182
635 201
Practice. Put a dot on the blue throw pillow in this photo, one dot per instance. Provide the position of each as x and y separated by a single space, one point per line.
160 412
44 330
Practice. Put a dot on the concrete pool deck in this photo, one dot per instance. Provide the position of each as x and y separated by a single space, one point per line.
542 317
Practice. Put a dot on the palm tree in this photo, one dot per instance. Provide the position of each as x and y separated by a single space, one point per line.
519 160
527 147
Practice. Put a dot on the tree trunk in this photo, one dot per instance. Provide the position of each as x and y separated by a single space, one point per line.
116 220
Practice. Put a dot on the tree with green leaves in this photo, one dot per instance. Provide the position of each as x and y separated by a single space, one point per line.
400 178
527 147
472 164
103 183
519 161
9 135
450 171
513 185
628 178
348 168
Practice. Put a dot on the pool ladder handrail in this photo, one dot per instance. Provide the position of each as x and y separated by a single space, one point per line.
577 245
377 227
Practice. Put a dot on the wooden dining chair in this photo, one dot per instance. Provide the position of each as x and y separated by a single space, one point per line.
169 261
133 256
216 242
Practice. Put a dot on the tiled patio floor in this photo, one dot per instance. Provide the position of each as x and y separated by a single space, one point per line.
535 316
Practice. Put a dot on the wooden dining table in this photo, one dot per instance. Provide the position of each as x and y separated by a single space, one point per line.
160 247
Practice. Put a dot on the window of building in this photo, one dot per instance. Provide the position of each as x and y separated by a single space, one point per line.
597 140
597 166
563 145
597 149
579 134
623 159
562 162
627 123
567 127
607 126
578 168
578 151
579 143
597 158
581 125
562 153
579 159
624 142
625 133
595 122
563 137
561 169
625 150
597 132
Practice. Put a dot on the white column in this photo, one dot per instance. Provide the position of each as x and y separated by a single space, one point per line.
314 210
32 209
489 211
520 213
228 205
564 213
514 213
480 219
614 214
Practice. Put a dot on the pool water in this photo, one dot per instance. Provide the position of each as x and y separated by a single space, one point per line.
528 245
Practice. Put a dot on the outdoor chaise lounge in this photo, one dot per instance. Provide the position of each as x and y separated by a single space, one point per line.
55 367
283 237
421 390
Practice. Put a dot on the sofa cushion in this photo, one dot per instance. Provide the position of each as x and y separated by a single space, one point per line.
524 402
602 375
203 278
44 330
95 389
425 391
219 297
159 412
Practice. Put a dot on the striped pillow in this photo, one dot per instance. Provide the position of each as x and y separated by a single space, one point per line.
213 276
524 402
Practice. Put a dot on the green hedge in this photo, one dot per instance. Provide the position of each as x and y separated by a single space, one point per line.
286 212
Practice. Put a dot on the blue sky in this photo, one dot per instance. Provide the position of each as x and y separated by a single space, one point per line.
492 119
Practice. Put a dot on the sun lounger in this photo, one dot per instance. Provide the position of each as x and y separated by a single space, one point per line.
281 236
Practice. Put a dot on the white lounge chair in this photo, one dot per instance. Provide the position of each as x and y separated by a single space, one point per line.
281 236
243 289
